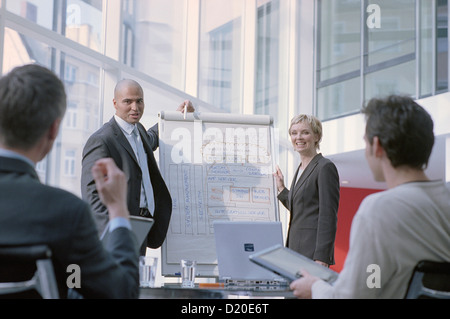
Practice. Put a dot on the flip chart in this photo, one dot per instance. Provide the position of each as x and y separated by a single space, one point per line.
217 167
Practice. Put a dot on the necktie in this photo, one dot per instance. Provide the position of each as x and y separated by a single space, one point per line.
146 183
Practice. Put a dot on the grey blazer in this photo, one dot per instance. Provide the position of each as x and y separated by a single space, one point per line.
313 203
109 141
33 213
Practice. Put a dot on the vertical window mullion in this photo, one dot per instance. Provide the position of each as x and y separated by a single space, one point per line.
418 46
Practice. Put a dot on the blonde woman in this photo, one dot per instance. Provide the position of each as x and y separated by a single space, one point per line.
313 200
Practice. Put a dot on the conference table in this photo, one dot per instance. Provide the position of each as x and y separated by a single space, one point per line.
175 291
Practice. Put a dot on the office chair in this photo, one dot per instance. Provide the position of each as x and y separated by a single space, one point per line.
27 272
430 280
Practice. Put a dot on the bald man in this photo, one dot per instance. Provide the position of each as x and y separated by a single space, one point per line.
123 139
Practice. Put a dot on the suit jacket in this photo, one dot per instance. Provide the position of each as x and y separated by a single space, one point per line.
313 202
109 141
33 213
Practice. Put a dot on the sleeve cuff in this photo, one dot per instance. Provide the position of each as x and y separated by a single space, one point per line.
119 222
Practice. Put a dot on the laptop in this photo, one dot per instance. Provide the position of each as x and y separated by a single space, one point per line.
139 225
236 241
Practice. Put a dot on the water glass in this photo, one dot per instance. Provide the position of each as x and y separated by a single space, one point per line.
147 271
188 268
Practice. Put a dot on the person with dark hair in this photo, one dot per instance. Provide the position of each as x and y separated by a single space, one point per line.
395 229
313 199
32 106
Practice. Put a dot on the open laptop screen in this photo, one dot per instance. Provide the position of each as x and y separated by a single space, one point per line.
236 241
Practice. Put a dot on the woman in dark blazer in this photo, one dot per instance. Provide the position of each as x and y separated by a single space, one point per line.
313 200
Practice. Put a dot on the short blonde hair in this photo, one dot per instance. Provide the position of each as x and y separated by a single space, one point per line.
314 123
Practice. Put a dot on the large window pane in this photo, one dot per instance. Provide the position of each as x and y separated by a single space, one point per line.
37 11
400 79
62 167
339 99
267 64
154 38
340 38
426 48
390 50
81 119
82 19
442 46
84 22
20 50
220 53
396 35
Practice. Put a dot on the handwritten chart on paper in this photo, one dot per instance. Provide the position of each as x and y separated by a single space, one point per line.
217 167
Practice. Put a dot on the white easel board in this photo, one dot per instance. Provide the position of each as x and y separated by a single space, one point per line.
217 167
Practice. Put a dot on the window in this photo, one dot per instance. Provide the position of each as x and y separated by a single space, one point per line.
267 64
81 19
153 37
339 60
442 46
389 53
359 59
84 22
69 163
82 98
220 53
68 37
40 12
71 115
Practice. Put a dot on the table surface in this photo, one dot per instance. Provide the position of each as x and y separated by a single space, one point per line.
175 291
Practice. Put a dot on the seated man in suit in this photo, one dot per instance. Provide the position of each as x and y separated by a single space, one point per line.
32 106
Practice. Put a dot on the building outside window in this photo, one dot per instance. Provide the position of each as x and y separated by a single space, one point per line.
267 65
69 163
376 48
154 36
220 53
237 56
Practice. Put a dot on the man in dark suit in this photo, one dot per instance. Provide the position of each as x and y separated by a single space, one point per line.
121 139
32 105
313 199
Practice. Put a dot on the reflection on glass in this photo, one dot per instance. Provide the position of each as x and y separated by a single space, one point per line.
20 50
83 18
37 11
400 79
267 64
442 46
81 82
389 51
84 23
338 99
426 48
154 32
396 35
220 53
340 37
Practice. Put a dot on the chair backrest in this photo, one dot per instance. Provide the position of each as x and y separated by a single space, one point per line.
430 280
27 272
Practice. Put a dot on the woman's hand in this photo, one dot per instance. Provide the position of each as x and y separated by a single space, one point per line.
279 179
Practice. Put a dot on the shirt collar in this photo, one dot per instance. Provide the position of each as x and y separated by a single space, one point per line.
14 155
125 126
